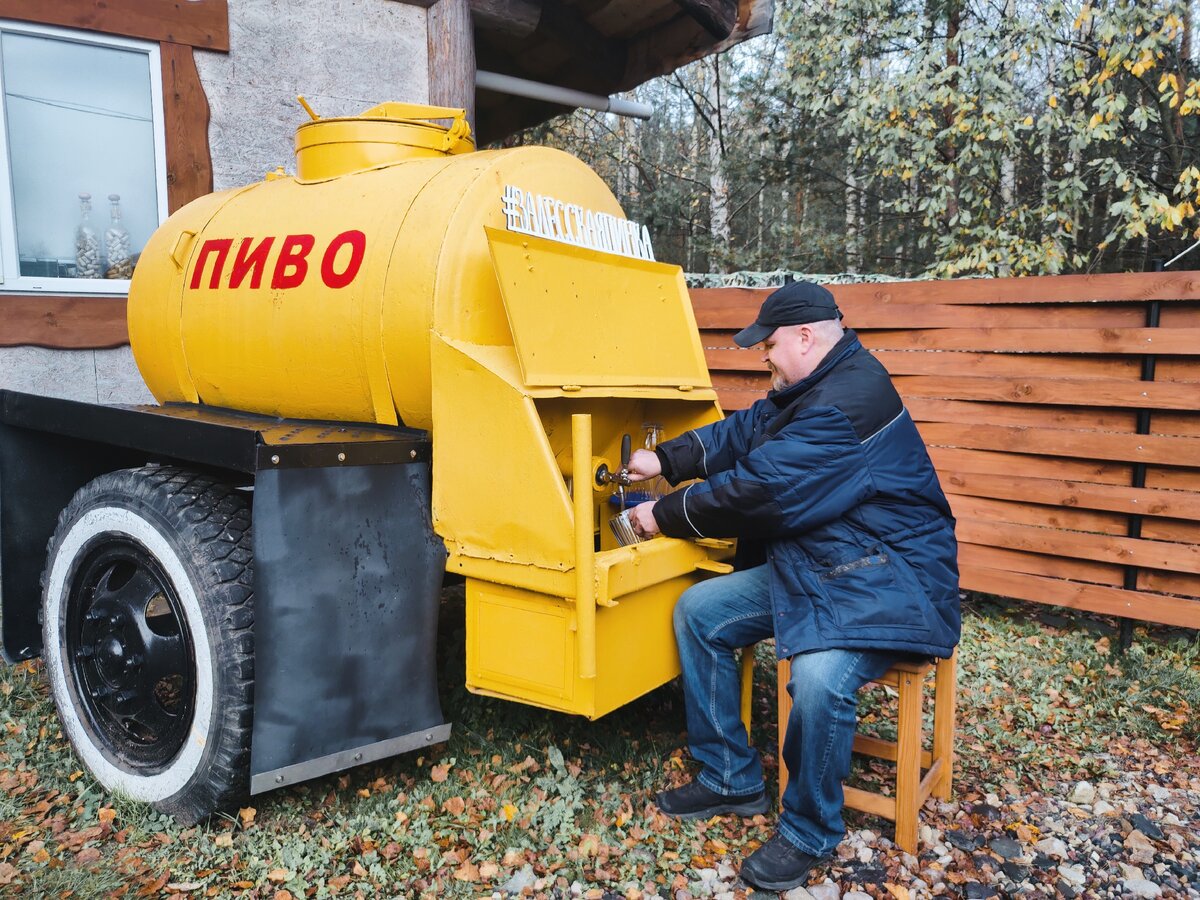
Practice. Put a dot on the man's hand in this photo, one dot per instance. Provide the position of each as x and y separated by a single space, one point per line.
644 464
641 517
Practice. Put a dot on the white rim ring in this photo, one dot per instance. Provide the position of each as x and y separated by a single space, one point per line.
175 777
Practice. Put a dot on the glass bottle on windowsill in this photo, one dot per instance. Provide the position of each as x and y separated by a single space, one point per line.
116 244
87 246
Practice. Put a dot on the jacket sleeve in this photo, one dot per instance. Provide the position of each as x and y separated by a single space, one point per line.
707 450
813 471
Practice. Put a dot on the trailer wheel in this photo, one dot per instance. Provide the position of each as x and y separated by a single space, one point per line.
147 624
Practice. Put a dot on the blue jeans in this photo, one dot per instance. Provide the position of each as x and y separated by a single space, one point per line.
712 620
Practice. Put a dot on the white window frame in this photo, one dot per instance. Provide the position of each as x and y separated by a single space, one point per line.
11 279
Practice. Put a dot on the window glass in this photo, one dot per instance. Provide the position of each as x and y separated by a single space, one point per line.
80 122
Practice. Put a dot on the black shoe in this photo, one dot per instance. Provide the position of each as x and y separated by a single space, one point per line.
778 865
695 801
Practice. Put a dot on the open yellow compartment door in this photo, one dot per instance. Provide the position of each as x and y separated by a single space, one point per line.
583 317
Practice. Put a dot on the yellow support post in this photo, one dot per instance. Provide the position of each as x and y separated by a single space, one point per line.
585 547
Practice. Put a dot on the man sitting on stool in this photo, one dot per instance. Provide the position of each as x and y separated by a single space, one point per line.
846 556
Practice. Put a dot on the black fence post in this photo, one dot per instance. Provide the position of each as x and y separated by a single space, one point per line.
1134 527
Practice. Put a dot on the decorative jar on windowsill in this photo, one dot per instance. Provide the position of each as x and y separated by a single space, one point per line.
116 244
87 246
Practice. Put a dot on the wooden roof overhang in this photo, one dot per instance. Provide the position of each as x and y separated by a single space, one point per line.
598 46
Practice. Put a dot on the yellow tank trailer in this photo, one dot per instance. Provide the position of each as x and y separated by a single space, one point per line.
501 302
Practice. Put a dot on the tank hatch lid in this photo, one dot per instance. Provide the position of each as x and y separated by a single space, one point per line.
387 133
594 319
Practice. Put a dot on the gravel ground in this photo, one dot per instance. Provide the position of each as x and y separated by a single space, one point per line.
1137 836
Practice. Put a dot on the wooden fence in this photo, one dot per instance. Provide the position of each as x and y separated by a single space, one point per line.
1062 413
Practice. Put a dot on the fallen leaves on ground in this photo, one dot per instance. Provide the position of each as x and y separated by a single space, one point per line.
528 801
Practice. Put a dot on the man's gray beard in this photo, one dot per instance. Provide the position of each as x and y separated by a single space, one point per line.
779 383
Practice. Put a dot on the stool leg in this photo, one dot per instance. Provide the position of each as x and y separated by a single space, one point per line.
945 688
908 761
747 685
783 675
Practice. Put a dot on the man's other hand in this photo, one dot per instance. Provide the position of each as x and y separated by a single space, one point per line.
644 464
641 517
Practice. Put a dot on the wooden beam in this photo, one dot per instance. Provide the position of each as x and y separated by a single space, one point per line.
185 109
451 43
63 323
717 16
513 18
198 23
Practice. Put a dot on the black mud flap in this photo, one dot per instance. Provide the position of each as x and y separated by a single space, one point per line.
348 573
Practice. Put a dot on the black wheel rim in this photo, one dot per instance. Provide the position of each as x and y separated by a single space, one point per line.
130 655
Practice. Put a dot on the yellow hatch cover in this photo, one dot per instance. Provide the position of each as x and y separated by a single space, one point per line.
588 318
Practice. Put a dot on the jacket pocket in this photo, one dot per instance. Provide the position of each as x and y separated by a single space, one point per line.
871 593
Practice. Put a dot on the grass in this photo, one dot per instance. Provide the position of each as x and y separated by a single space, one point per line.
1043 700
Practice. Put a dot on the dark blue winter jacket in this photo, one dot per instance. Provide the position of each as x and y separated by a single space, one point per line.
829 482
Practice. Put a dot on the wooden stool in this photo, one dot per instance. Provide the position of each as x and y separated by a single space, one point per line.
906 751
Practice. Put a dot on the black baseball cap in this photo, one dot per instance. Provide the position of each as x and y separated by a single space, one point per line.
796 303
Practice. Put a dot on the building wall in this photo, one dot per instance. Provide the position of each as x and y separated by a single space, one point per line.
96 376
344 56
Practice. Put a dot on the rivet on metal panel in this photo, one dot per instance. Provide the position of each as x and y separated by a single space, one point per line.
341 457
412 454
279 779
358 757
429 736
275 460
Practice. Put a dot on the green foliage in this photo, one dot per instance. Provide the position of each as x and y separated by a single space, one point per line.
954 137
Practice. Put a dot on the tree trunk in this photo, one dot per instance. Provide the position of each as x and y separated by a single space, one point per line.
718 184
853 240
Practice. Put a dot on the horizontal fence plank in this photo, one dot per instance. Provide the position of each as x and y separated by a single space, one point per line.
1168 556
968 507
1177 423
1122 288
732 400
1177 369
1171 530
1094 598
1172 478
1064 391
1037 564
1073 494
1179 341
1010 365
1148 448
862 315
1179 315
1169 583
726 360
740 381
999 463
1030 415
1168 286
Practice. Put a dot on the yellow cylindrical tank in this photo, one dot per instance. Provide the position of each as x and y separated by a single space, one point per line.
316 296
499 299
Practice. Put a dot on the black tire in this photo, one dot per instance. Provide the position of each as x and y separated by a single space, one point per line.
147 607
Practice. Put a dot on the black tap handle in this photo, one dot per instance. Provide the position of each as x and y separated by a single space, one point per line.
626 445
